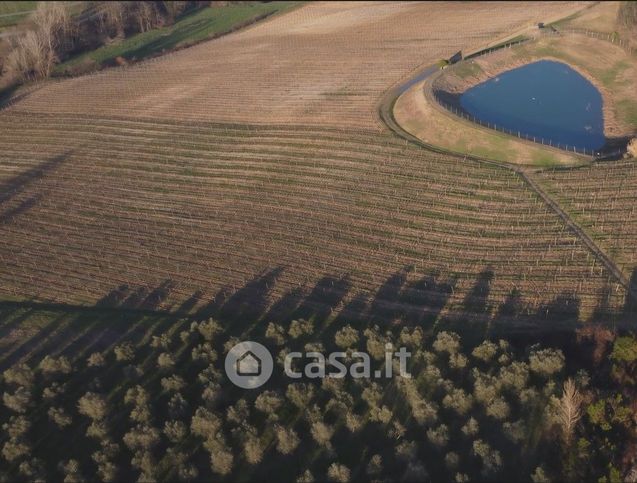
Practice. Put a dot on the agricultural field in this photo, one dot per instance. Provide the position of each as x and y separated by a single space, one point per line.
254 188
226 206
284 70
602 199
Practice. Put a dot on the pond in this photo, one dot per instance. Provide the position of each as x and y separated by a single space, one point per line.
546 99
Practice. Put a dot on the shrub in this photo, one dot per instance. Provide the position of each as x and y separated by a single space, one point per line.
346 337
19 401
287 440
275 333
20 374
299 328
17 426
447 342
439 436
59 417
175 431
458 400
485 351
96 359
322 433
253 449
204 423
141 437
173 383
268 402
165 361
15 449
339 473
93 406
51 365
546 361
124 352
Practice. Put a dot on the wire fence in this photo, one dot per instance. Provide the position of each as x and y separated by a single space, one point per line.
607 37
458 111
602 153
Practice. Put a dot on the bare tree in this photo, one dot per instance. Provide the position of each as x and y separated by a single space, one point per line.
112 18
146 16
632 147
570 410
35 52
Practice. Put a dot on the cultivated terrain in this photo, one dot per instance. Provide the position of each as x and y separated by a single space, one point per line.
256 187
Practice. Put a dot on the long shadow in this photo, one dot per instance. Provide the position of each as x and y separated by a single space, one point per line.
115 297
602 311
7 323
283 309
513 306
11 188
247 304
564 309
424 299
321 302
630 304
158 296
24 206
477 300
190 303
386 303
213 307
26 348
354 311
16 185
136 298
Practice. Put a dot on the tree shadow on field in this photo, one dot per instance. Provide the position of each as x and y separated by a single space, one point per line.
513 306
81 328
355 311
16 185
24 206
250 301
564 308
325 297
190 303
285 308
425 298
386 303
630 305
135 312
477 300
13 187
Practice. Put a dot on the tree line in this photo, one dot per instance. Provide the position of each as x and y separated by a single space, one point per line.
159 407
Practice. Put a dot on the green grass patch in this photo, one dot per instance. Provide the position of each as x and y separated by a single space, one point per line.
544 159
627 109
194 26
467 69
608 77
13 12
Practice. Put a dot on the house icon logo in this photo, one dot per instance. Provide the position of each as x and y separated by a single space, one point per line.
249 365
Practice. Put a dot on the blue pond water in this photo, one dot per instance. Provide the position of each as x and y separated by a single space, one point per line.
545 99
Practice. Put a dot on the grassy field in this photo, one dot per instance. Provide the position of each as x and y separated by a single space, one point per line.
12 12
191 28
